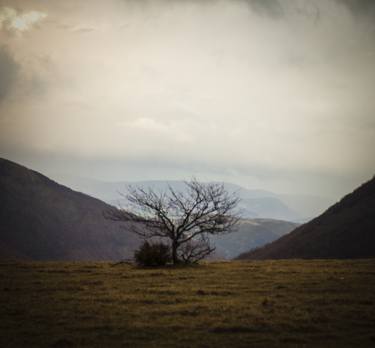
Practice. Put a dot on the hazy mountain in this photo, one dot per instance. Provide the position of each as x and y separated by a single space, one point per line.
345 230
42 220
254 203
307 206
251 233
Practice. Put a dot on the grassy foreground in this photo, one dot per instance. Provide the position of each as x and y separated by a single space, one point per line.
222 304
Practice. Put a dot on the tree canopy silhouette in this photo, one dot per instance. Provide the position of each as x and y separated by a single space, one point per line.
185 219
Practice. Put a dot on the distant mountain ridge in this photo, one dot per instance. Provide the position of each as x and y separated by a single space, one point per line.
254 232
345 230
255 203
43 220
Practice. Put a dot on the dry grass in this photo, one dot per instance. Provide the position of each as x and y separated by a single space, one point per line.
229 304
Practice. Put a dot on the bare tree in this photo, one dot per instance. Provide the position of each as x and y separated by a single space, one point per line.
195 250
185 219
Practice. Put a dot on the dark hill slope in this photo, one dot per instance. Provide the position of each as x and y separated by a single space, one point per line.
42 220
345 230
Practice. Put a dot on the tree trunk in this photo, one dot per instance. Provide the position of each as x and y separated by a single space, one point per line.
174 253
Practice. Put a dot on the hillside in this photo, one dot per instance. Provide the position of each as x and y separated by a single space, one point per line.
251 233
42 220
345 230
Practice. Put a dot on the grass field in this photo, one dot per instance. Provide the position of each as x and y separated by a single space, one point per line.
222 304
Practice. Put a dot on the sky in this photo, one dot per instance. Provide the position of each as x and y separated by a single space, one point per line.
268 94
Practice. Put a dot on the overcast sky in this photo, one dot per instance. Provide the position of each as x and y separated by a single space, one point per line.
269 94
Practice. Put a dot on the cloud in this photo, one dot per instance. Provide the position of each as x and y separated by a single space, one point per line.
281 9
272 8
9 70
83 29
360 7
242 86
13 21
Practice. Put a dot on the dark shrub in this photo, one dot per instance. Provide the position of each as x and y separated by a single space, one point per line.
156 254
